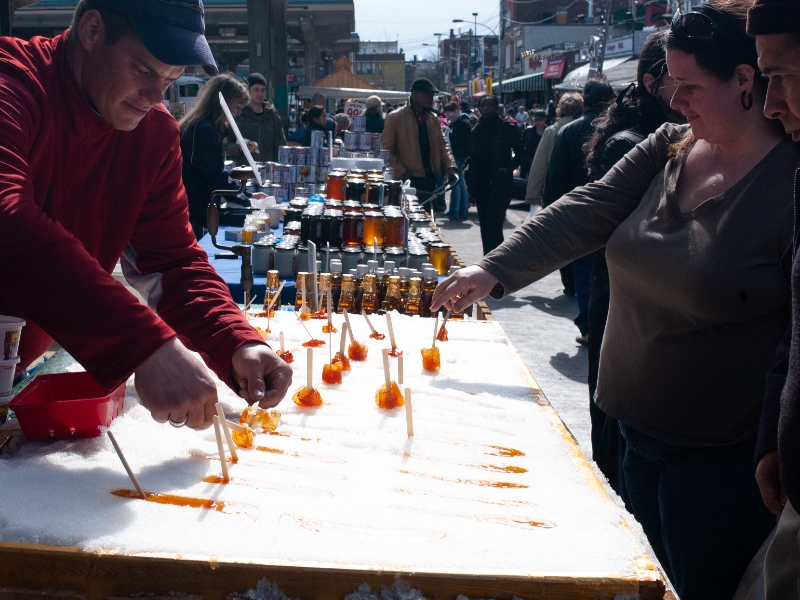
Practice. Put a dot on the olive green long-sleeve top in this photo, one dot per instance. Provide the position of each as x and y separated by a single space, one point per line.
698 300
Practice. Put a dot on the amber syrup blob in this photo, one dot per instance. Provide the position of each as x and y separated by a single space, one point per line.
430 359
343 360
357 351
307 398
286 356
332 374
442 335
389 399
313 343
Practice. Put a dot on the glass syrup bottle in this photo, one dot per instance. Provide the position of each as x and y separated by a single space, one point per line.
392 300
429 280
273 283
413 301
369 299
346 300
456 316
336 282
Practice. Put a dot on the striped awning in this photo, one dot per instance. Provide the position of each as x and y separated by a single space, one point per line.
523 83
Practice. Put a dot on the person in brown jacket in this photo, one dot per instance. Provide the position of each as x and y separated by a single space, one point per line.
414 138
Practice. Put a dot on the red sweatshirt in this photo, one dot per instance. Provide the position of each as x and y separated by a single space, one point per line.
75 194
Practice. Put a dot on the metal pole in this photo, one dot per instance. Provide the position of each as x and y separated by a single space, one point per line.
604 37
501 50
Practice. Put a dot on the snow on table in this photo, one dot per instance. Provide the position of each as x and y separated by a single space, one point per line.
490 484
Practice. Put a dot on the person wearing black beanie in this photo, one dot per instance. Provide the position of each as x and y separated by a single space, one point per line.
259 123
775 25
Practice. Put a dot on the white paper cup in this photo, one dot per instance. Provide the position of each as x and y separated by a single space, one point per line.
7 368
10 331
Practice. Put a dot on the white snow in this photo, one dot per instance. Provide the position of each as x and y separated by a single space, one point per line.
344 485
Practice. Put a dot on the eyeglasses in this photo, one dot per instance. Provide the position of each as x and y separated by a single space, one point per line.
698 25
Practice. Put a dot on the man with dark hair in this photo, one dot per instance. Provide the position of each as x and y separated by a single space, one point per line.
495 153
414 138
90 173
775 24
460 136
259 122
567 171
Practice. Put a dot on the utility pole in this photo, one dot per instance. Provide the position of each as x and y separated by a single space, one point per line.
501 48
604 37
268 49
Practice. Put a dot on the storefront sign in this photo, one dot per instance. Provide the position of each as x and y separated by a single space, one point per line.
555 68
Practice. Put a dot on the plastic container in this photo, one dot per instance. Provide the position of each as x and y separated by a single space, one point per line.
7 368
66 406
10 330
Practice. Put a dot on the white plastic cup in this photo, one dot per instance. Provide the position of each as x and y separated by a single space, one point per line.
7 368
10 331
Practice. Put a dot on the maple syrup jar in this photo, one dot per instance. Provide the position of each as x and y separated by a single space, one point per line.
357 190
394 229
373 228
393 194
336 185
352 229
440 257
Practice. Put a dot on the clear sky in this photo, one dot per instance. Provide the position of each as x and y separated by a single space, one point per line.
413 22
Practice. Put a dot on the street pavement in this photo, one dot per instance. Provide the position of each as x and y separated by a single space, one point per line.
538 320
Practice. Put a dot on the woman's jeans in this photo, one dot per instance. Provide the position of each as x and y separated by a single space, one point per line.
700 508
459 198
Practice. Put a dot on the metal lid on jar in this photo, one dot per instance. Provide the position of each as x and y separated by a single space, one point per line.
273 279
351 250
348 285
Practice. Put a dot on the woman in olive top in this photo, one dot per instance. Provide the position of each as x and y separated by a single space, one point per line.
694 221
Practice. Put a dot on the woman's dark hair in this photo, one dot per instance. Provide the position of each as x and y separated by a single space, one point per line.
304 117
207 105
117 24
597 93
636 107
315 112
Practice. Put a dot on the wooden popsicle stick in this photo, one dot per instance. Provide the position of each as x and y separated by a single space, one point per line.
126 465
275 297
386 373
391 330
224 422
435 330
236 426
400 370
344 339
330 307
409 418
310 355
249 304
366 318
281 338
349 327
222 459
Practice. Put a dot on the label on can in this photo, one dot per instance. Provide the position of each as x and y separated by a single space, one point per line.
317 139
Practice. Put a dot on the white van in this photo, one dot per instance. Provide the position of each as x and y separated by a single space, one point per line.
180 96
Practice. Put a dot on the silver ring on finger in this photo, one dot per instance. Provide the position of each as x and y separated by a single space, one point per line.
178 424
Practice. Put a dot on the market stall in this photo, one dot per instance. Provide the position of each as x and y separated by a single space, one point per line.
490 497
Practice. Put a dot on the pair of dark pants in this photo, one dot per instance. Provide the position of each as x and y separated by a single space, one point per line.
608 445
424 186
567 280
582 276
492 214
700 509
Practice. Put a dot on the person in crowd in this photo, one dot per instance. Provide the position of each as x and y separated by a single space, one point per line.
570 107
523 118
320 99
695 220
374 114
495 152
342 124
551 112
776 28
531 136
106 149
317 121
202 132
567 171
260 123
414 138
638 111
460 136
296 137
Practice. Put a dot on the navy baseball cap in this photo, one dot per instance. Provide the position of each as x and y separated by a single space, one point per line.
171 30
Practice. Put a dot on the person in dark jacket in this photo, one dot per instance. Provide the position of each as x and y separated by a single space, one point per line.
496 152
568 171
460 136
202 131
259 123
374 114
638 111
317 121
531 136
776 28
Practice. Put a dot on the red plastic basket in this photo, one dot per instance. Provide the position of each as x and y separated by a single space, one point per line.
66 406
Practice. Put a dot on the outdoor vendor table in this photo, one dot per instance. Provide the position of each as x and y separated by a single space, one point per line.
29 568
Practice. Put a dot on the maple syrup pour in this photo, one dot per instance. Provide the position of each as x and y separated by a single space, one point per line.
172 500
395 352
313 344
377 336
506 469
271 450
495 484
507 451
512 503
215 479
329 329
498 468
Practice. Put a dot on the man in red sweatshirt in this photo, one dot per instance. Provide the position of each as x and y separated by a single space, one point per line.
90 173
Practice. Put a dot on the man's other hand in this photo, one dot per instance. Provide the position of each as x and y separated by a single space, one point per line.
463 288
263 376
769 482
174 384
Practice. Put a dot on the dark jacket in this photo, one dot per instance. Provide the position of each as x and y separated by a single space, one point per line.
460 136
305 140
780 415
567 169
496 150
265 129
530 143
374 123
203 169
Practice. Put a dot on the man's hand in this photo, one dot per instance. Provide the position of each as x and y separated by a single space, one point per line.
462 288
769 483
174 384
263 376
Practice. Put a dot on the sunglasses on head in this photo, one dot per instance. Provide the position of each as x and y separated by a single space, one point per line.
698 25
